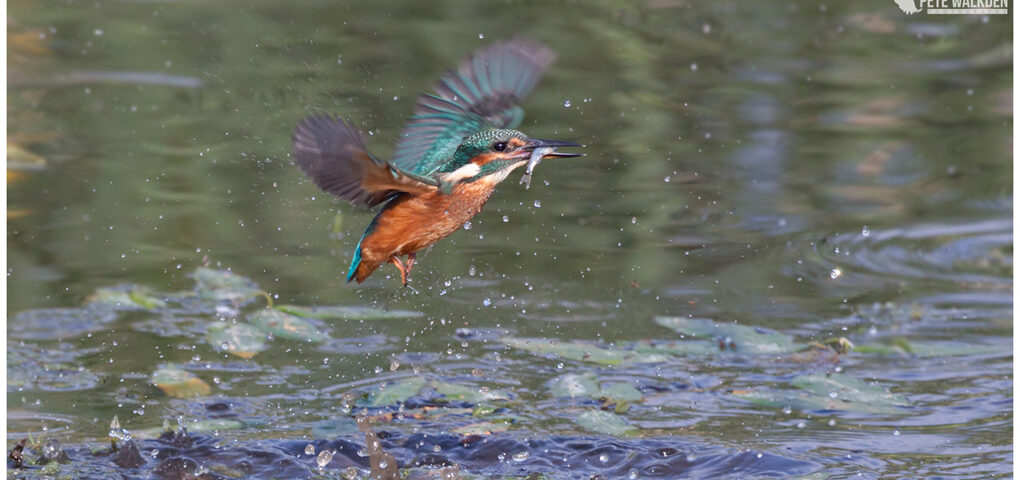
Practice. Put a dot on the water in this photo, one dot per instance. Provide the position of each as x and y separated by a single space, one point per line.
739 156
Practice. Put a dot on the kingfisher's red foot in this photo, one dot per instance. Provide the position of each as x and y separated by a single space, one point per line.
410 263
403 270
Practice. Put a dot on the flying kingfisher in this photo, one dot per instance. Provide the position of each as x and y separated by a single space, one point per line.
457 146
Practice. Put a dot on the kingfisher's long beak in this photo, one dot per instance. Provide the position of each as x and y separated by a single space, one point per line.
539 143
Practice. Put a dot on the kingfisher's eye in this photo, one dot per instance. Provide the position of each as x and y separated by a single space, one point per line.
499 146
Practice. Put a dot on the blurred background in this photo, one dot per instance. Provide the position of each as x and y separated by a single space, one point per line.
814 168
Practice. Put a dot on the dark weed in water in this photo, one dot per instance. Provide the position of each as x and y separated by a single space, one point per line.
178 455
16 458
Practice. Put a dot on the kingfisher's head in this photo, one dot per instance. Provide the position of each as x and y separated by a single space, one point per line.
498 152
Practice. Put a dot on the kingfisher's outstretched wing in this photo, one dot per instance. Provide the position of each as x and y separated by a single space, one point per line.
331 152
483 92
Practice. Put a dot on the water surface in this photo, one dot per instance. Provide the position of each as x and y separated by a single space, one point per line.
808 171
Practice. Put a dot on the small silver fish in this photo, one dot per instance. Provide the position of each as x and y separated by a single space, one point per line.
536 158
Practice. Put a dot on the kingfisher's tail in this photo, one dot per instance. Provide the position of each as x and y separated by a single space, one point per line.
354 263
359 269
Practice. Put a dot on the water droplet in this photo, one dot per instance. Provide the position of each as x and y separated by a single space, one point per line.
604 458
116 431
801 424
566 103
506 218
309 449
694 67
835 273
467 225
865 231
394 365
538 204
324 458
896 432
437 448
487 302
759 455
521 456
98 32
787 410
691 457
833 394
339 59
481 36
51 449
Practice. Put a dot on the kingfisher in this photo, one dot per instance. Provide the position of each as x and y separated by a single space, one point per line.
457 146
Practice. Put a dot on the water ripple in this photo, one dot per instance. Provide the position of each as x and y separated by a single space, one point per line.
975 253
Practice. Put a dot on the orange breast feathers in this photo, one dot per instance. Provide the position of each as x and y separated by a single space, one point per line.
416 222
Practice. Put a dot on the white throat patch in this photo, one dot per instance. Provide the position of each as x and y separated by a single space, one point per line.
467 171
502 174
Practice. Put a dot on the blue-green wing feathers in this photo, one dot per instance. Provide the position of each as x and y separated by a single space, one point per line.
483 92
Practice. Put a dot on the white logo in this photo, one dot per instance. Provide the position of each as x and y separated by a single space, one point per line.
908 6
954 7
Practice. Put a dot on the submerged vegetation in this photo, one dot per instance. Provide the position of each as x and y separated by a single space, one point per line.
239 320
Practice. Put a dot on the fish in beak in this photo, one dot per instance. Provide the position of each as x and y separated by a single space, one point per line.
542 149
